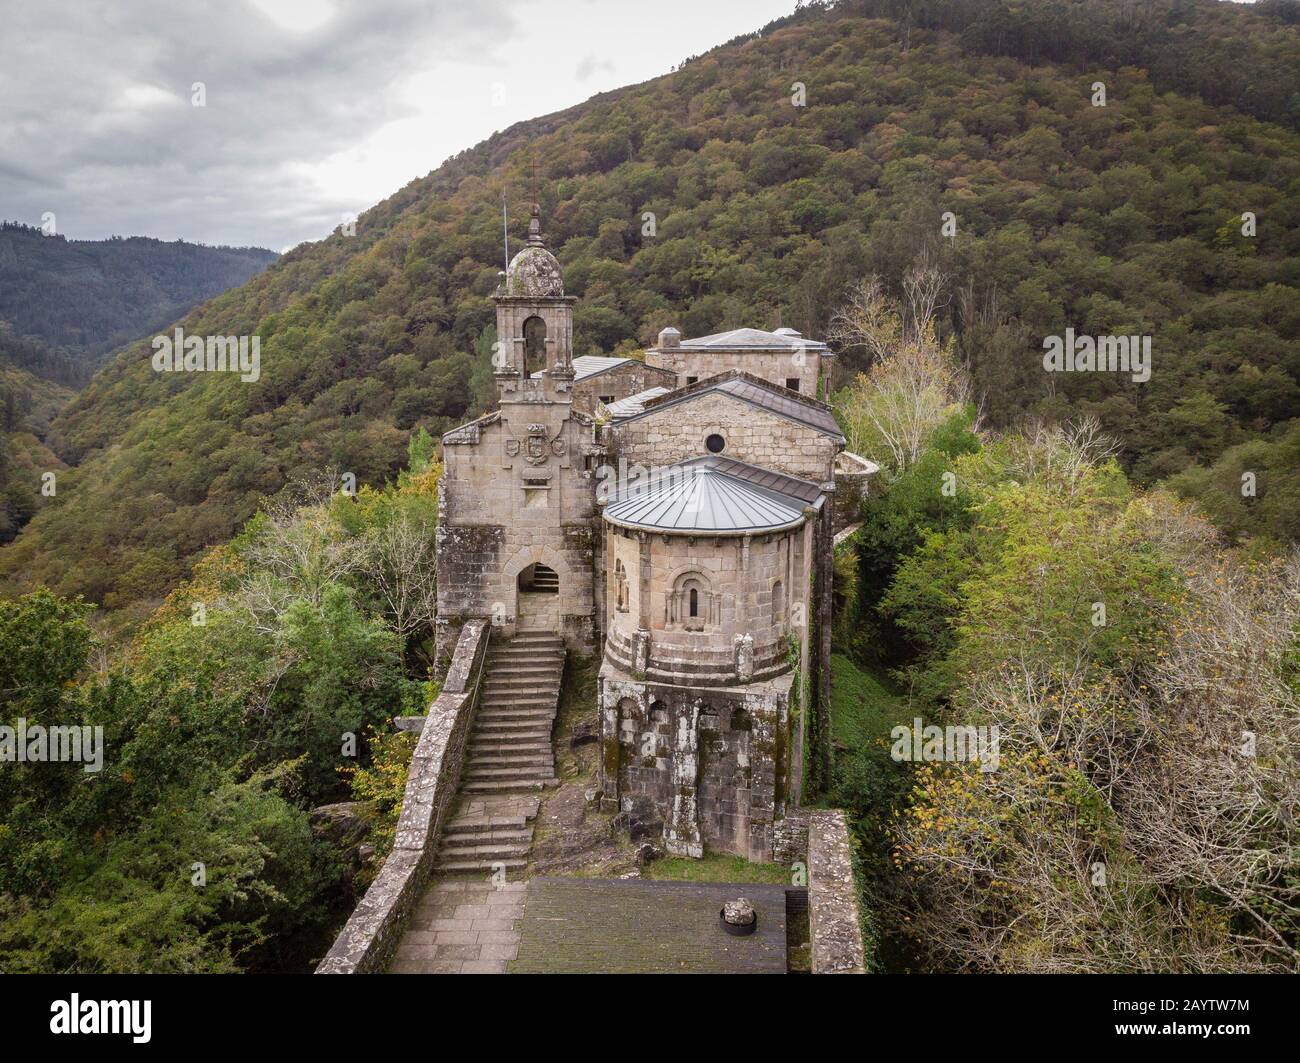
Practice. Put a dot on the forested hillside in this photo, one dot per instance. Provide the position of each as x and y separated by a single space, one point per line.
708 200
35 384
91 296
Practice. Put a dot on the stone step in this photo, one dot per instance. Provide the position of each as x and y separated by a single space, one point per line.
507 786
537 695
507 701
529 760
487 849
512 745
522 669
540 725
506 771
516 738
516 712
488 837
496 684
530 749
488 825
509 863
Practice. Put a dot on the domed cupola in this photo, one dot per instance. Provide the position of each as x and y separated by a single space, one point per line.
534 325
534 272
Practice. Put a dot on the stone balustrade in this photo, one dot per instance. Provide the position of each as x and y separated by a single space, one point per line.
372 932
833 896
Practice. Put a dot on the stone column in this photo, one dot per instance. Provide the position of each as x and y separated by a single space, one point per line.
682 832
645 575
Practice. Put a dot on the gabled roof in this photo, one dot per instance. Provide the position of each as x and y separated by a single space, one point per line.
753 339
586 365
470 431
755 391
589 365
713 496
634 403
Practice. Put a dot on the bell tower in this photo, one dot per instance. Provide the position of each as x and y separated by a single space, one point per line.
534 325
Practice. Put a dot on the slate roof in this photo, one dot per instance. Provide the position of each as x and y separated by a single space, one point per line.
754 391
634 403
713 495
586 365
752 339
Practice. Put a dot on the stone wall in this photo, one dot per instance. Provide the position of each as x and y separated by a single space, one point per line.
853 475
752 587
664 436
371 934
630 378
778 367
833 896
708 764
516 492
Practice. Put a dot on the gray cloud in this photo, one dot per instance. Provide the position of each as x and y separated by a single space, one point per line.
302 125
99 128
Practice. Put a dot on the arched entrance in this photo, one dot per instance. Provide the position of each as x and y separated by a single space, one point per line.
539 598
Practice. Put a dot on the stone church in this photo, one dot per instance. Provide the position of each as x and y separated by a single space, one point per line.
675 514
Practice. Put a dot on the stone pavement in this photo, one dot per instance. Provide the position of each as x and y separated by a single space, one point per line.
636 926
467 923
462 925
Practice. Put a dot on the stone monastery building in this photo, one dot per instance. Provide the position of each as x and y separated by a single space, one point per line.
677 515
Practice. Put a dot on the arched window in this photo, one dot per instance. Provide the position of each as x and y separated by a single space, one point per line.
778 604
620 587
534 344
691 603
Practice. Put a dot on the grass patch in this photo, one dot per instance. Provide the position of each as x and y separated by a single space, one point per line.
863 707
869 786
715 867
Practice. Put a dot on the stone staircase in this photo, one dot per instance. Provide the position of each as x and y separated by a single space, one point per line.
546 580
510 756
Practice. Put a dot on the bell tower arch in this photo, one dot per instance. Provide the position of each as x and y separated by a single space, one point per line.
534 324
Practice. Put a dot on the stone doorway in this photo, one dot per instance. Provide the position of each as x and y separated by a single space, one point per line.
539 599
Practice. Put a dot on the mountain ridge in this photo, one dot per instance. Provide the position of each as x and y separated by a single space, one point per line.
88 297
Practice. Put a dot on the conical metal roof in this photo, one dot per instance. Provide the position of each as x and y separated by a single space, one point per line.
706 496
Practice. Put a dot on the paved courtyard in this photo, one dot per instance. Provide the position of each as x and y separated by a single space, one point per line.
635 926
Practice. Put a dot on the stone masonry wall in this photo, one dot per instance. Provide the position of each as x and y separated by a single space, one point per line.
630 378
756 586
516 492
666 436
833 896
371 934
709 764
778 367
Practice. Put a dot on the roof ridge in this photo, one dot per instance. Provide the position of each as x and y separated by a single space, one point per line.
739 376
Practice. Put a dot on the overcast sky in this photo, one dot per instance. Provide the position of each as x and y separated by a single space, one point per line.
315 109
